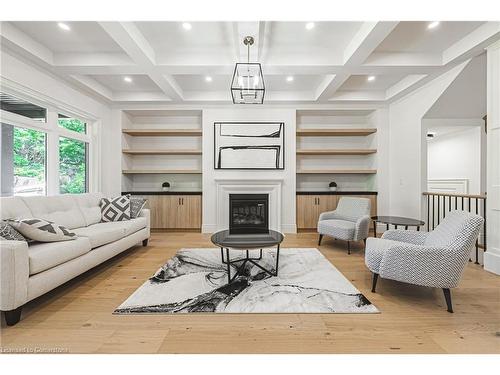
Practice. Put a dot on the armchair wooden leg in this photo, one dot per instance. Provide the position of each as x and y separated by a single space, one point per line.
319 240
374 282
145 242
364 240
13 317
447 296
348 247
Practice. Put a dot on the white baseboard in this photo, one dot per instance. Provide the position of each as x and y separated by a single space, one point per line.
208 228
492 261
289 228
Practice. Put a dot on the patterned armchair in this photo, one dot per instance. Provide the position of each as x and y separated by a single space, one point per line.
434 259
349 222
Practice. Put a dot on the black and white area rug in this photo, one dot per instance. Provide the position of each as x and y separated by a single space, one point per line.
195 280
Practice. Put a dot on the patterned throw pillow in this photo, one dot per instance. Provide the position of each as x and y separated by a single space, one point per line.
136 206
7 232
42 230
115 209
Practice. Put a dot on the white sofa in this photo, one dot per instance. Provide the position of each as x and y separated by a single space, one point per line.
27 272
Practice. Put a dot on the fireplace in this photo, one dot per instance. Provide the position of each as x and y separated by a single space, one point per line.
248 213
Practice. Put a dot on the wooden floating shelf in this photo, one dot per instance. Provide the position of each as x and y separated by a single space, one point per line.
337 171
335 132
337 152
163 132
162 152
161 171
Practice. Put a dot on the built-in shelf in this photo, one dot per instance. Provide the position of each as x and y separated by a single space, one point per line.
162 152
335 132
163 132
337 171
337 152
161 171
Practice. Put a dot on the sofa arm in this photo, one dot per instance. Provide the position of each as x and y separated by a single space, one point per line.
145 212
408 236
14 274
436 267
362 228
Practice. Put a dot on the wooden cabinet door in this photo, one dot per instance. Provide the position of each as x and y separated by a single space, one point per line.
160 206
307 211
189 212
326 203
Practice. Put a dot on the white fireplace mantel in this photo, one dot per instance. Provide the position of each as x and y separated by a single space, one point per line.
272 187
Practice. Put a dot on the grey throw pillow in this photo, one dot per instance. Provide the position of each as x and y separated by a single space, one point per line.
8 232
115 209
42 230
136 206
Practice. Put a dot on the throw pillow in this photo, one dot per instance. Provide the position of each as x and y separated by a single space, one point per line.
8 232
136 206
42 230
115 209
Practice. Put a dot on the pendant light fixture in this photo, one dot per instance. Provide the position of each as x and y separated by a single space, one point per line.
247 86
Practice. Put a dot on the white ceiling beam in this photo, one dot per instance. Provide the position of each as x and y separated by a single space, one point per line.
91 84
403 85
364 42
11 35
92 59
472 44
131 40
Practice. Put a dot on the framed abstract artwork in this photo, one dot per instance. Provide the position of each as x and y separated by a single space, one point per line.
249 145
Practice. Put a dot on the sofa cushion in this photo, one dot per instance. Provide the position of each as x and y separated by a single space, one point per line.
42 230
14 208
89 205
340 229
43 256
60 209
136 206
102 233
115 209
8 232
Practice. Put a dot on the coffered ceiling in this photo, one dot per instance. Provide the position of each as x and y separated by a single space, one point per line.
303 62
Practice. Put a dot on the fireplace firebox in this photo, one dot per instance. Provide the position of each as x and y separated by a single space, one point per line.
248 213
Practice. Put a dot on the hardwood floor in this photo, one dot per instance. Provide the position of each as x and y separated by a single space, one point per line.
77 317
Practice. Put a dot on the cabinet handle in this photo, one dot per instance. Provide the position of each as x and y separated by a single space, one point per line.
182 201
318 201
179 201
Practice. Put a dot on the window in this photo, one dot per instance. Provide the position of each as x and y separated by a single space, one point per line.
72 124
23 161
73 157
44 150
23 108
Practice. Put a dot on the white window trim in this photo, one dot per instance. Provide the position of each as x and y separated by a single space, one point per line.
53 131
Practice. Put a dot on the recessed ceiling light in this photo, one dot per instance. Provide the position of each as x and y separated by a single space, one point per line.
309 25
127 79
63 26
371 78
187 26
289 79
208 79
433 25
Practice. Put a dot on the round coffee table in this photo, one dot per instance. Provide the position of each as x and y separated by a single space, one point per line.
396 221
246 242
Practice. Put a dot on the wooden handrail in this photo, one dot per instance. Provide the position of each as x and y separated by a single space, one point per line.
455 195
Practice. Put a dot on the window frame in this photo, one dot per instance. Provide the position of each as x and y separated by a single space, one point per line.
53 132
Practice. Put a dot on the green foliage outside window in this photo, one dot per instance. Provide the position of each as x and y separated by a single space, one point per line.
29 153
72 166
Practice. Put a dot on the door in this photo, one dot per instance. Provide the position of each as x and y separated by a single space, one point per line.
189 212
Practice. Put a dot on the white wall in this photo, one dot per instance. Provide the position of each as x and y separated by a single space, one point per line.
288 116
456 155
492 255
25 79
408 156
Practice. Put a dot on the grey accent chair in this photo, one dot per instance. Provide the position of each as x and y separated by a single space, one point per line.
349 222
434 259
